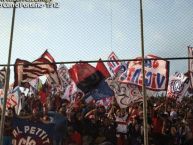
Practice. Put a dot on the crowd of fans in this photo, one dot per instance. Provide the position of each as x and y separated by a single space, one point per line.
169 122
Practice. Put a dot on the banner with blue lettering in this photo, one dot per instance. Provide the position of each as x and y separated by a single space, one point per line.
116 67
156 73
26 132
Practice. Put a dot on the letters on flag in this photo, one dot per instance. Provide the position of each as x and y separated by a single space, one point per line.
26 71
178 86
190 64
2 77
156 73
31 133
116 67
125 94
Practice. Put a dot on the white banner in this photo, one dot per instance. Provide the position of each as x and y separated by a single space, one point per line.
178 86
116 67
125 94
156 73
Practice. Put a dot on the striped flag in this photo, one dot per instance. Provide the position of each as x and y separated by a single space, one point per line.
26 71
2 77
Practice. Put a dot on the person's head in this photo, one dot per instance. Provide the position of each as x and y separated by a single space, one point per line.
118 112
46 118
22 95
22 113
62 110
9 112
32 95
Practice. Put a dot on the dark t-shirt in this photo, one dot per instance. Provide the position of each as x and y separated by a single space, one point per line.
8 126
60 124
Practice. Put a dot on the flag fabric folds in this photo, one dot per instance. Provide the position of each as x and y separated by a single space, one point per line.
26 71
156 73
85 76
116 67
178 86
102 68
100 92
2 77
126 94
68 86
13 99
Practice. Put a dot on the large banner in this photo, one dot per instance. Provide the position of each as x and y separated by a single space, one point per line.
26 132
178 86
156 73
190 64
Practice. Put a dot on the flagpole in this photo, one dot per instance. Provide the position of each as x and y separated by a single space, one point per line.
7 77
143 86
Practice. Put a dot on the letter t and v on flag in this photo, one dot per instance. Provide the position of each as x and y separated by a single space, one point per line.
156 73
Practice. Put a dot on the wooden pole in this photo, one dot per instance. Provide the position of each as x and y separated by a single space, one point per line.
7 78
143 86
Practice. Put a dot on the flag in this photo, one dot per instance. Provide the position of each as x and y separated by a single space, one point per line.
100 92
125 94
68 86
26 71
2 77
190 65
85 76
178 86
13 99
102 68
64 76
43 93
156 73
36 85
116 67
70 90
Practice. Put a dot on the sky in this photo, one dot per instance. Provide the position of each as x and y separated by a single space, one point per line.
92 29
